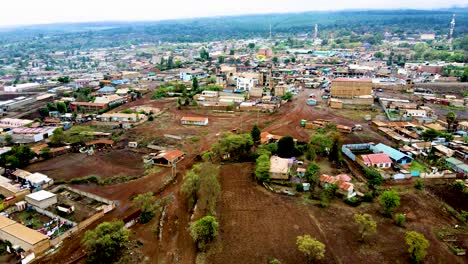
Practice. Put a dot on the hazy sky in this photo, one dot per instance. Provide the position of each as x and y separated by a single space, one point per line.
23 12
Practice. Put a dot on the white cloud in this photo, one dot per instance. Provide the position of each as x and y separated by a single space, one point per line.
14 12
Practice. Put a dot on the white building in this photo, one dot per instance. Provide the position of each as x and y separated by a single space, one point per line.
21 87
41 199
246 84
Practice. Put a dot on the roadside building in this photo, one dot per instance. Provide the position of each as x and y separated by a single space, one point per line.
41 199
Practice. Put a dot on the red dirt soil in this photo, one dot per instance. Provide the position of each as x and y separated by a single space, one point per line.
257 225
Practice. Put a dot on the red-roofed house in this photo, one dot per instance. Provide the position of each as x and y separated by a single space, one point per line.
266 138
342 181
380 160
168 157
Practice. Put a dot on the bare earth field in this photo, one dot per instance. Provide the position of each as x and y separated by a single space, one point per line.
256 225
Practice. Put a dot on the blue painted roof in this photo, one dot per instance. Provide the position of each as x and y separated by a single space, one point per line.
391 152
107 89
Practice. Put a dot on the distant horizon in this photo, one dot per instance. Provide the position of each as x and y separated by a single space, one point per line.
47 12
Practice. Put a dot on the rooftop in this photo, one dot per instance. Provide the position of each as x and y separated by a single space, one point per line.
41 195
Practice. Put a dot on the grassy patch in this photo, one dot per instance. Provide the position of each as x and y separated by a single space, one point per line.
416 166
152 170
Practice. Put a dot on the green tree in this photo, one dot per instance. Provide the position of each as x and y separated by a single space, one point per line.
58 136
286 147
310 247
367 226
417 245
251 46
312 174
203 231
104 244
379 55
430 134
8 139
400 219
335 151
195 85
232 52
374 179
389 200
255 134
275 60
61 107
451 117
262 169
146 202
234 146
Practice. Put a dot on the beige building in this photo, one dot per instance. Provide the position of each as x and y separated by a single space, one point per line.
351 88
279 168
27 238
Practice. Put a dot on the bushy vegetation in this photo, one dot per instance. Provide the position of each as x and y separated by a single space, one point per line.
389 200
203 231
367 226
201 187
104 244
417 245
310 247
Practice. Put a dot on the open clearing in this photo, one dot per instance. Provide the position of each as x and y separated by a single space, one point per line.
257 225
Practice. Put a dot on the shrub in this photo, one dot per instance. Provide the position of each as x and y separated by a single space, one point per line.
400 219
368 198
203 231
419 184
417 245
389 201
353 201
299 187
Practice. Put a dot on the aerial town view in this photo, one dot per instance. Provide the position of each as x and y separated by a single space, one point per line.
209 132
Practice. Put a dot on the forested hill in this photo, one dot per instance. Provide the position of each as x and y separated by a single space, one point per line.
217 28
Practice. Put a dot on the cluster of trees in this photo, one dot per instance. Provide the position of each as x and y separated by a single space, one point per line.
18 157
75 135
201 187
105 243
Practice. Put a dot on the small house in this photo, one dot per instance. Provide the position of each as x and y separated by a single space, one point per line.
41 199
106 90
279 168
342 181
168 157
380 160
